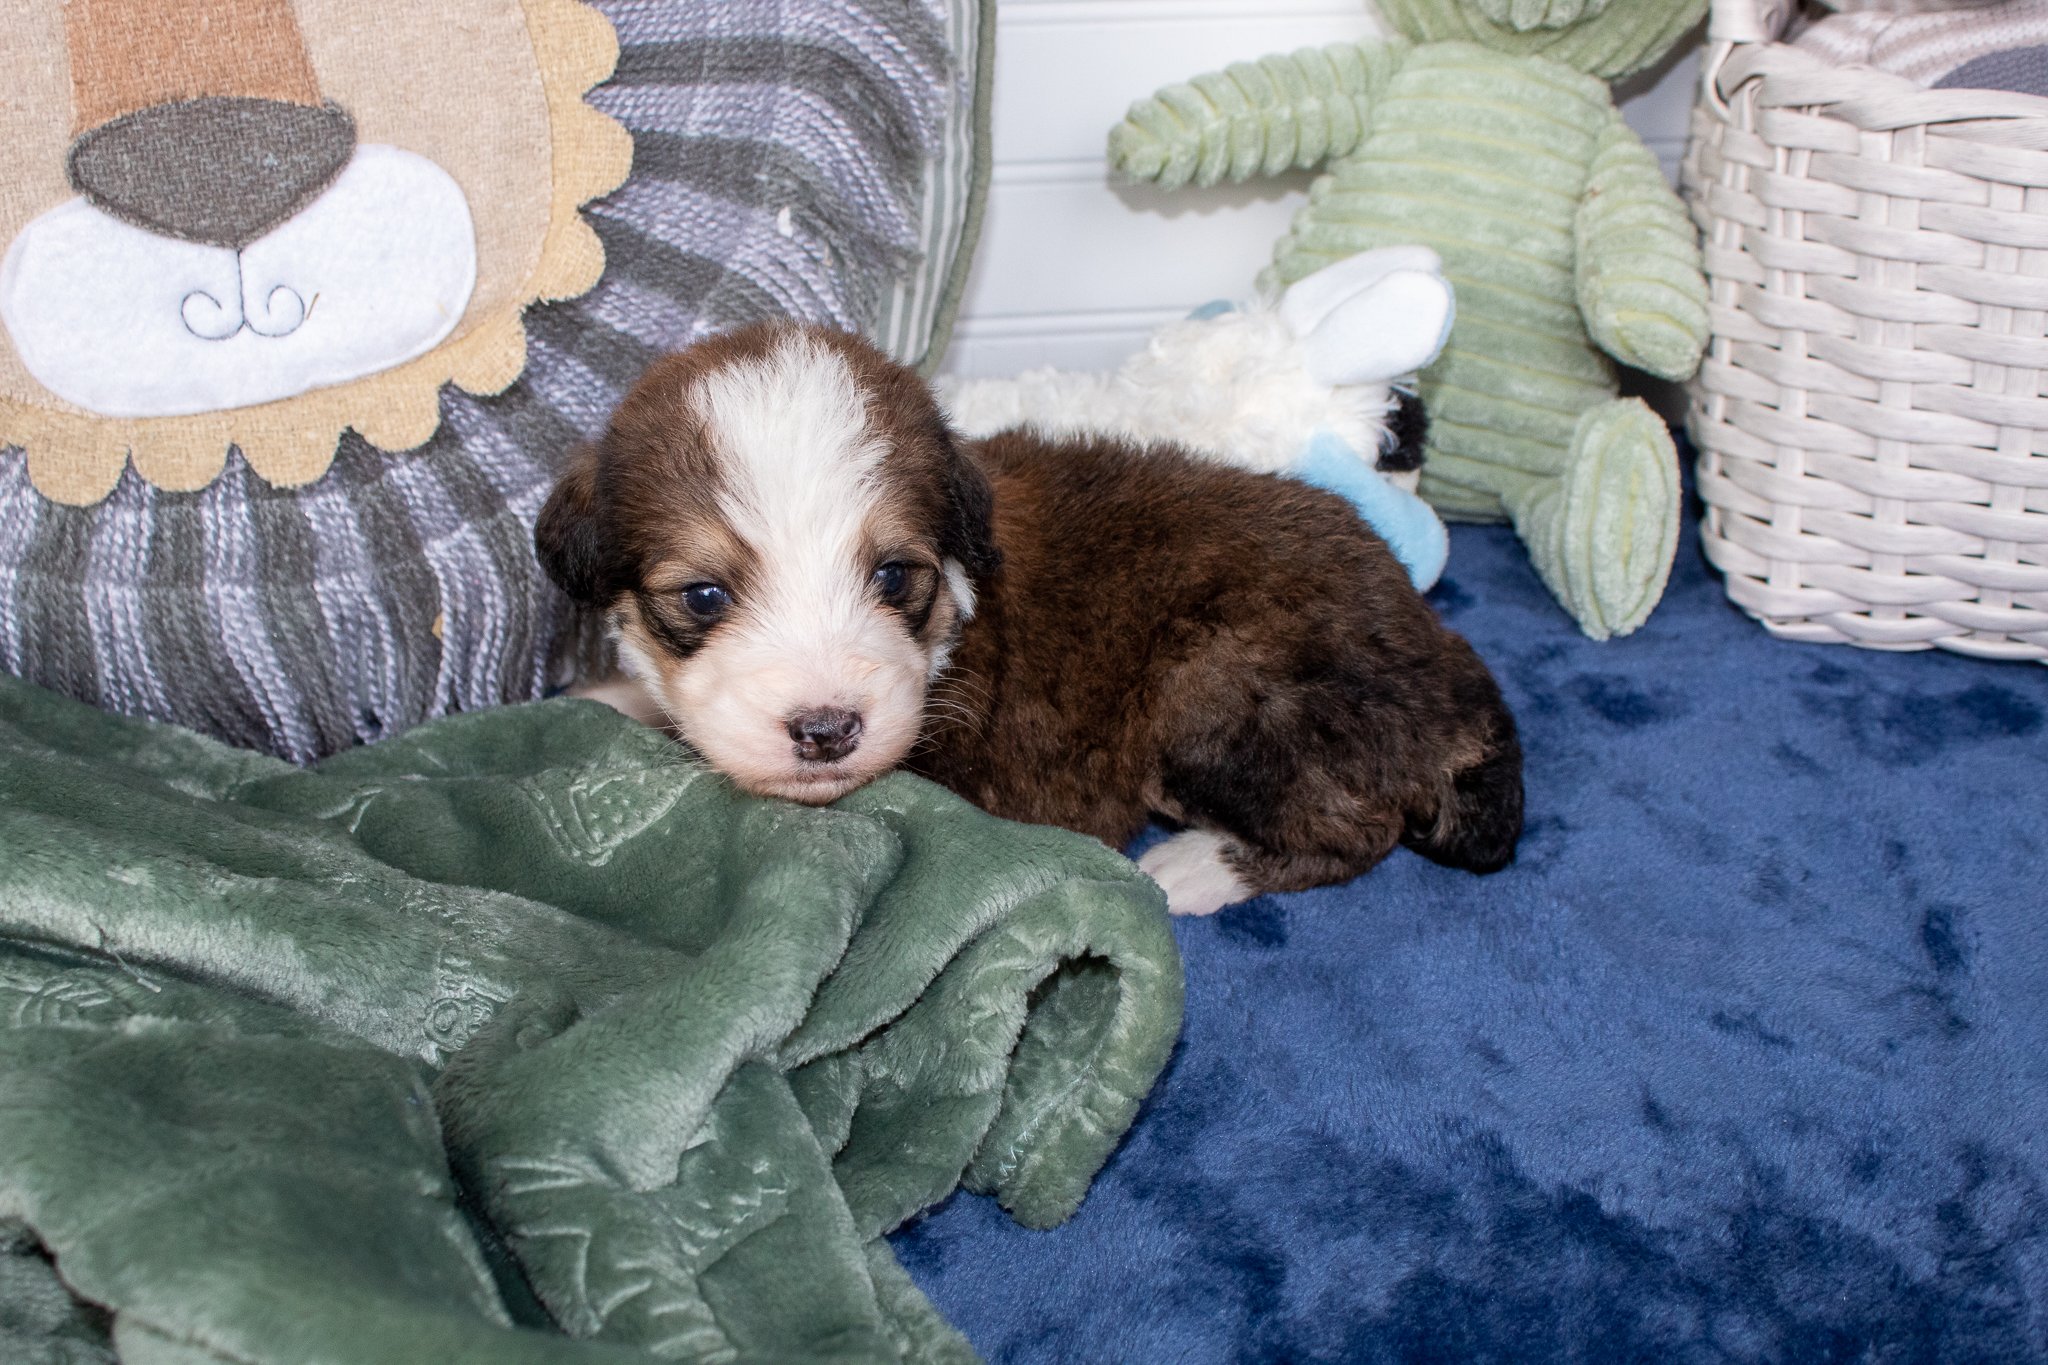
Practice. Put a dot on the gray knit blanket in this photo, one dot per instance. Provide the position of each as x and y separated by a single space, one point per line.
777 148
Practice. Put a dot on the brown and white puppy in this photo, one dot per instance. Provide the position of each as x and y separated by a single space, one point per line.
815 583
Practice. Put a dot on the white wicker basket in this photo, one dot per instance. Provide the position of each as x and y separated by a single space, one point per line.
1872 433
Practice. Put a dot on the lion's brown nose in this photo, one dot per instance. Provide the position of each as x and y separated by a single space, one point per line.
220 169
825 734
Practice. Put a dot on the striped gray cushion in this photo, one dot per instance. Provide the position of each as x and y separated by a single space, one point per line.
917 321
805 158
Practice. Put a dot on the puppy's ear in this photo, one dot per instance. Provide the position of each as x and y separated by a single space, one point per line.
570 535
969 533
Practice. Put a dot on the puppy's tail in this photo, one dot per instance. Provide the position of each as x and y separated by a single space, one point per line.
1478 822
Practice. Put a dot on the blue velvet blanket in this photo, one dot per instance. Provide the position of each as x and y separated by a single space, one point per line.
1744 1059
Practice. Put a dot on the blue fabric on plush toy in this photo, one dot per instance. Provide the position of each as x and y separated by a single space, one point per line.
1411 528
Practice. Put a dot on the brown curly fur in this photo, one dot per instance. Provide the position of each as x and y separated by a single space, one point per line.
1152 634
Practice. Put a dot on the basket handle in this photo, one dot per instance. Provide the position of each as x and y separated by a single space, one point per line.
1748 21
1733 25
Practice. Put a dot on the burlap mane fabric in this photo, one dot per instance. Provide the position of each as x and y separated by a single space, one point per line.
780 167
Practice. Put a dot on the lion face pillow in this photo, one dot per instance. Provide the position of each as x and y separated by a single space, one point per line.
261 222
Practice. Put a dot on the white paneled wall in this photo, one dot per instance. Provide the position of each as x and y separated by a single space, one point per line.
1074 270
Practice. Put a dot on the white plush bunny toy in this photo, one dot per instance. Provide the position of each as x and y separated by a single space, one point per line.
1314 385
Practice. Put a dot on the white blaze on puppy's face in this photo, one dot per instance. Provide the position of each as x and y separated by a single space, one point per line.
807 632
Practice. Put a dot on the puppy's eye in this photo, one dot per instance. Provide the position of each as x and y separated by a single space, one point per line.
892 581
706 601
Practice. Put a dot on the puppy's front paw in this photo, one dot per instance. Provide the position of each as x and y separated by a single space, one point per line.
1190 868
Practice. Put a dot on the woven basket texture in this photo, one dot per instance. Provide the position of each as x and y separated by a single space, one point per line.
1872 433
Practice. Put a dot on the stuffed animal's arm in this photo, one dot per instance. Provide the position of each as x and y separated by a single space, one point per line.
1638 261
1278 113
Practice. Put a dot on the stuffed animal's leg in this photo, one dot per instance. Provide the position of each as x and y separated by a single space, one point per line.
1638 276
1602 530
1279 113
1054 400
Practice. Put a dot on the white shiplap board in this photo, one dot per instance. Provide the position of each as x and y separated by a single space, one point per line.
1074 270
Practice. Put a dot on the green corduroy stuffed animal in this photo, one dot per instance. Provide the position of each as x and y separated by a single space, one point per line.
1487 131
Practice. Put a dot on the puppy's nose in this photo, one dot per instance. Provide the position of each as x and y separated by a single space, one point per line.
825 734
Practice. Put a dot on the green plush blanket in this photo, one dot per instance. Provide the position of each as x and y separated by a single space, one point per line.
525 1038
